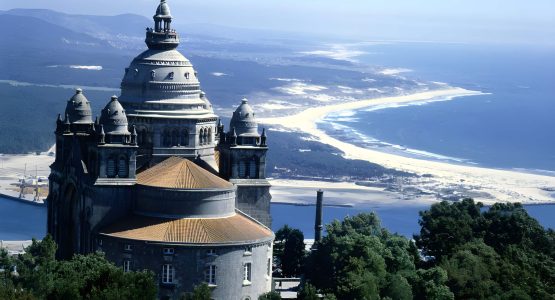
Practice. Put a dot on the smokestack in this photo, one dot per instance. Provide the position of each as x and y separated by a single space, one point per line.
318 222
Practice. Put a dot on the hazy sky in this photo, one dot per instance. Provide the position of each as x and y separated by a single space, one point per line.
503 21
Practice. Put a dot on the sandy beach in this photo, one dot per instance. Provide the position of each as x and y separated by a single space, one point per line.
484 184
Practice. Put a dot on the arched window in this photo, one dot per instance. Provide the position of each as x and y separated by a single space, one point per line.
123 167
242 169
166 138
111 167
184 137
208 135
175 137
253 168
201 136
144 136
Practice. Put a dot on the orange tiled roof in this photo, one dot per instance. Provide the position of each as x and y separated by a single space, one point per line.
217 156
180 173
237 228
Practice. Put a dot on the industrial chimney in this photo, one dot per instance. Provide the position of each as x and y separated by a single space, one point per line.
318 222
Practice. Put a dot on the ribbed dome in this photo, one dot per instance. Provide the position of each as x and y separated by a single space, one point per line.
113 118
244 121
181 173
163 9
78 109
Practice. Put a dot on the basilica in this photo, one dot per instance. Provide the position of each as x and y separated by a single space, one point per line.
159 183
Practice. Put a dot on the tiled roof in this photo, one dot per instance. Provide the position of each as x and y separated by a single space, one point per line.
180 173
235 229
217 156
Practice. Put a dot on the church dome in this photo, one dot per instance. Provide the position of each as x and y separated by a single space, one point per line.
78 109
161 82
244 121
161 75
113 118
163 9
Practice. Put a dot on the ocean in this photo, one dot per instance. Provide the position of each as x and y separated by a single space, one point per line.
511 127
20 221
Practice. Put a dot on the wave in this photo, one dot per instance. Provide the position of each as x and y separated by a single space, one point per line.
337 52
353 136
331 124
394 71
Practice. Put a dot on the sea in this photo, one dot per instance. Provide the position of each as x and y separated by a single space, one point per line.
20 221
511 126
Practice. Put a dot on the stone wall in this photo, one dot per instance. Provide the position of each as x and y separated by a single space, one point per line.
191 262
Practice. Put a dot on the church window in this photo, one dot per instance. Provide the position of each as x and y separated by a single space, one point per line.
209 135
143 137
210 274
128 247
167 273
170 76
242 169
252 168
211 252
184 138
111 167
166 139
126 266
123 168
187 75
169 251
202 136
247 270
269 267
175 137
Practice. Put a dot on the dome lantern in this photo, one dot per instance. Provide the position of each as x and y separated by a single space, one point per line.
162 36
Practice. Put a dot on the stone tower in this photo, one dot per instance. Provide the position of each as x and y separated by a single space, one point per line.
242 160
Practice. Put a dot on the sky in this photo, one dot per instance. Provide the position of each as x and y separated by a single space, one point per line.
467 21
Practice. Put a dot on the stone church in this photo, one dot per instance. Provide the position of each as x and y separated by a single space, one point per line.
158 183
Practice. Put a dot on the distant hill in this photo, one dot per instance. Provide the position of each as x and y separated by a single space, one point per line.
121 31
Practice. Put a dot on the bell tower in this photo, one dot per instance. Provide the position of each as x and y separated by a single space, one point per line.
243 162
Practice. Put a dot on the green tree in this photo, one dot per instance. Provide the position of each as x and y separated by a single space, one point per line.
290 250
308 292
430 284
200 292
500 252
83 277
358 259
270 296
448 225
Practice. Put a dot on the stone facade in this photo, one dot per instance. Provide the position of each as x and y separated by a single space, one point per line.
156 184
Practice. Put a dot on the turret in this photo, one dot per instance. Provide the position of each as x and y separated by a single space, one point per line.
117 147
243 161
162 36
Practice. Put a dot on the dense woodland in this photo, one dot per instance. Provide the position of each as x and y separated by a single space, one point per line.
463 251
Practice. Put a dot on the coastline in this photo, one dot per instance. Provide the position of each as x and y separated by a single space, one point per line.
496 184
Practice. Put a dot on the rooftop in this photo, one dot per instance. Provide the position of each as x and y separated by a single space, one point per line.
235 229
181 173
